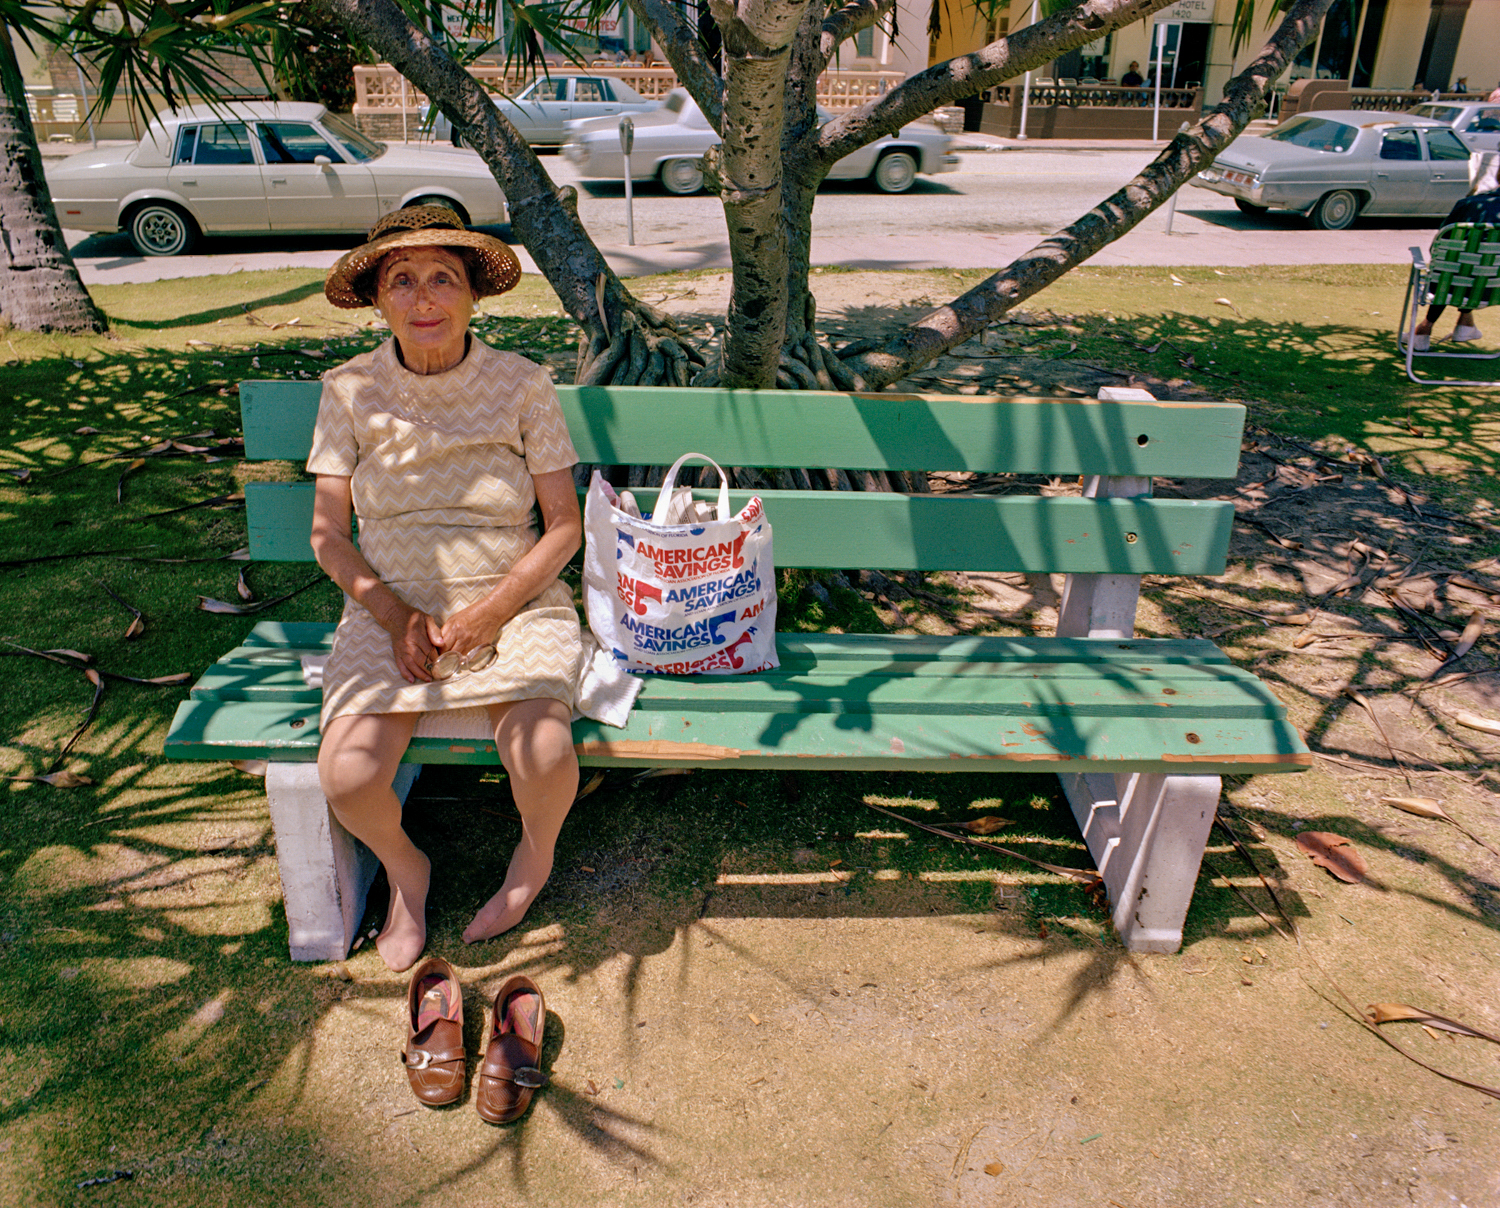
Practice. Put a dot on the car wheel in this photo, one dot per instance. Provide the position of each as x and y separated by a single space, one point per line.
161 229
1335 210
445 202
1249 207
895 172
681 176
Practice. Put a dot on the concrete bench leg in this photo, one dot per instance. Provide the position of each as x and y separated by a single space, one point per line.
1146 832
325 871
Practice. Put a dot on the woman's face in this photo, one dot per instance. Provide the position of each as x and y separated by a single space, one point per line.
425 295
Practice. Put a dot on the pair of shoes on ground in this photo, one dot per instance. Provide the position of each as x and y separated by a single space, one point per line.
1462 334
434 1051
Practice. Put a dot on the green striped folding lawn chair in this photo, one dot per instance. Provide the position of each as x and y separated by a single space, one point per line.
1465 273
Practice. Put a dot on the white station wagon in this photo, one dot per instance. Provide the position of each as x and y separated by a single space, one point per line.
253 168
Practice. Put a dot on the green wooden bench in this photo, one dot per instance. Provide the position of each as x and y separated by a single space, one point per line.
1464 273
1140 730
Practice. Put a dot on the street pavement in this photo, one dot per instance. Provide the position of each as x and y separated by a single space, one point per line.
1006 197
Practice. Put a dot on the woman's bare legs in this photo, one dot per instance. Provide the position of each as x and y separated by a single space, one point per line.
356 764
535 741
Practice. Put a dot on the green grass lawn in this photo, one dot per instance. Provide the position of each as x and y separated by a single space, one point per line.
112 452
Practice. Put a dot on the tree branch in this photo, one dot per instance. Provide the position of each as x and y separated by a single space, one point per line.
847 20
945 83
679 42
966 316
757 51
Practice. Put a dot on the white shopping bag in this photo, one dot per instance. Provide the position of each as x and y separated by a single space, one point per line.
697 598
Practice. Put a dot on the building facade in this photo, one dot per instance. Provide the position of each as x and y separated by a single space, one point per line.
1432 44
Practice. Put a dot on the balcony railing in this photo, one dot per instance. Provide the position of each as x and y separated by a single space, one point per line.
382 92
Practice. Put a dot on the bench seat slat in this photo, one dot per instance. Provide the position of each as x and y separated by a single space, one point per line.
275 638
833 741
836 529
859 686
872 431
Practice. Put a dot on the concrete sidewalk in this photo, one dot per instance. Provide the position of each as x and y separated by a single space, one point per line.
1196 240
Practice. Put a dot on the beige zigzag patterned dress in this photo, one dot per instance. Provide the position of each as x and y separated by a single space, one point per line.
441 467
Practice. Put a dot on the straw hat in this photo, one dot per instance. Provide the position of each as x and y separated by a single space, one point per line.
351 282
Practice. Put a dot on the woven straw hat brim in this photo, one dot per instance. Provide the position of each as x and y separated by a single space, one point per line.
500 270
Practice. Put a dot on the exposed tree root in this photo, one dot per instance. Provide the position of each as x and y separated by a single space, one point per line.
647 350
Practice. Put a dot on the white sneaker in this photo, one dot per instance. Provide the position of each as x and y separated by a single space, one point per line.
1418 343
1464 333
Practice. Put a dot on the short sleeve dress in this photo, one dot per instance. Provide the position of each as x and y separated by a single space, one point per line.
441 468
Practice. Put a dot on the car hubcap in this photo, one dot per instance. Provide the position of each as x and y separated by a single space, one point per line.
896 172
682 175
160 231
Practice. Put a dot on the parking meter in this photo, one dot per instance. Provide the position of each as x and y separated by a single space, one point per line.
627 140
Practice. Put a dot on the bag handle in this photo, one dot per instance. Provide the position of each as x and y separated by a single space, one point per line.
669 484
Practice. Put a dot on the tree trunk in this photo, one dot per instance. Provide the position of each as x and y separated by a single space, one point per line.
39 285
804 171
757 45
948 326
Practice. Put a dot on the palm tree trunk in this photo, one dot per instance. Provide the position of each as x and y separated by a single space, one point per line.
39 285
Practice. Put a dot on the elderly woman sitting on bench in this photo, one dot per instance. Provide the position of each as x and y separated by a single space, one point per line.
442 445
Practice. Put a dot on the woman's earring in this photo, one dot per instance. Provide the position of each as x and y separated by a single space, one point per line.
378 315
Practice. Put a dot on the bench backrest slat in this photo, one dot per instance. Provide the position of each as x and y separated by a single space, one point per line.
641 425
842 529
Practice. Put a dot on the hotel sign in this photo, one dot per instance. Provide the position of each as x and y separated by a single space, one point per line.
1185 11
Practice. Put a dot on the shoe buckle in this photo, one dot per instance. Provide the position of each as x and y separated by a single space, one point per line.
419 1060
528 1076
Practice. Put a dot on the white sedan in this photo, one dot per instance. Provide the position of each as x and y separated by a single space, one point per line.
670 141
246 169
1477 123
541 110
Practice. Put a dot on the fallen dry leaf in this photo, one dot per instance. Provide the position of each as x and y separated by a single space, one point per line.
208 604
242 587
986 825
71 654
594 782
1335 853
58 780
85 431
1422 807
135 628
120 484
251 767
1473 631
653 773
1397 1012
994 1168
1486 725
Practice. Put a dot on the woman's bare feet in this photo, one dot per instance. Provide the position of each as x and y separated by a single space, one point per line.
404 935
528 872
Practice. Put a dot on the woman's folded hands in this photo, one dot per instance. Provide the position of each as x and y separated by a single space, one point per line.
416 642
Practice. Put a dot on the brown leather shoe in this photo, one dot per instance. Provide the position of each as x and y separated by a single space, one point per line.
434 1053
512 1060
